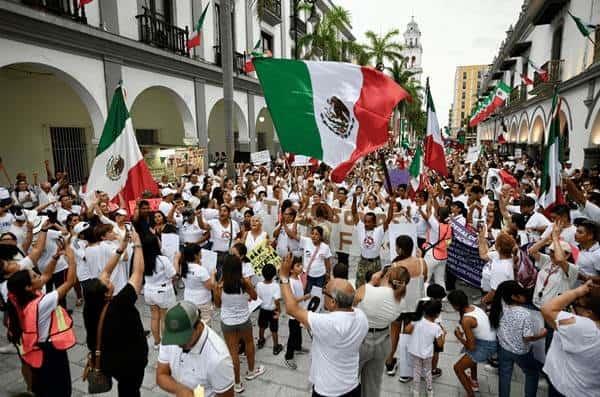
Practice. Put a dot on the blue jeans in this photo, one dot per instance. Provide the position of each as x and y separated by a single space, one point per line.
316 281
530 366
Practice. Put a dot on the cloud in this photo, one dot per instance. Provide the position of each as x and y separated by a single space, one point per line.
485 42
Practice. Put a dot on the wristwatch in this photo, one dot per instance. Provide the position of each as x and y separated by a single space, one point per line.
284 280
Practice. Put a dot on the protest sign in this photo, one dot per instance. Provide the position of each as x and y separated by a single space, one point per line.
261 254
209 260
301 161
518 153
463 255
398 177
472 154
261 157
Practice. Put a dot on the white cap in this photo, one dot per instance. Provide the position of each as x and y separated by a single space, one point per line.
168 191
4 194
121 211
80 227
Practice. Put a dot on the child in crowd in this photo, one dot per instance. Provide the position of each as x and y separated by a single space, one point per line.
425 333
270 295
294 342
434 292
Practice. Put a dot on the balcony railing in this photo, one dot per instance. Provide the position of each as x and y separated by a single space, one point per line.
63 8
154 30
297 25
271 12
518 95
597 46
543 87
239 60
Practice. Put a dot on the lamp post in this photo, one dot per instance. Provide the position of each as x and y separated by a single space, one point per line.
313 19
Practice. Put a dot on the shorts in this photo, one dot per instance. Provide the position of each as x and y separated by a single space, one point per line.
237 327
266 319
484 349
162 296
437 349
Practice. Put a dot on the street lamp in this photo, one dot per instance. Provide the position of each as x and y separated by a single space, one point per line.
312 18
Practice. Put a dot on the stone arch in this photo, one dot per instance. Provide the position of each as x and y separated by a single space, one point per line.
513 132
523 131
162 101
216 127
265 132
538 112
536 135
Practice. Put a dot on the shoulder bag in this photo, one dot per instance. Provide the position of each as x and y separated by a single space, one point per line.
98 381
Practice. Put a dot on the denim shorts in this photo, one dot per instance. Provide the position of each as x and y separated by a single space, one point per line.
484 349
236 328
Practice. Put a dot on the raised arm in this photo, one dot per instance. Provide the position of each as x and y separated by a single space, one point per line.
535 249
354 210
137 274
554 306
65 287
115 258
390 213
483 244
40 244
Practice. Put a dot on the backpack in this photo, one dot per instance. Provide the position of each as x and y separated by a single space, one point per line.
526 273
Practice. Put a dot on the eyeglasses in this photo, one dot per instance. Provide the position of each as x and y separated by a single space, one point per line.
327 294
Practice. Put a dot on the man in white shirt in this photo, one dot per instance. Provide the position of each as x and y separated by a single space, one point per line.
166 204
66 208
192 356
337 336
458 193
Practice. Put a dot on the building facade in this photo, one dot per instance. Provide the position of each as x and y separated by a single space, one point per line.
467 83
59 66
546 37
412 50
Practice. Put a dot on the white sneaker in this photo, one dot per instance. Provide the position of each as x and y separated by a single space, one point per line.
430 393
258 371
8 349
239 387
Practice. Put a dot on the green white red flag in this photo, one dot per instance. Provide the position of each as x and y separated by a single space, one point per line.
435 157
416 169
550 190
334 112
194 40
119 166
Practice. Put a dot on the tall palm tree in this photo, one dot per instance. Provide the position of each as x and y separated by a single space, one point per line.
384 47
409 110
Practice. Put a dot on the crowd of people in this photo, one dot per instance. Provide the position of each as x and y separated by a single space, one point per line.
367 315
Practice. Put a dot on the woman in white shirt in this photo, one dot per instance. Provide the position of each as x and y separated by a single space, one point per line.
232 295
317 258
158 286
256 234
501 262
198 281
572 360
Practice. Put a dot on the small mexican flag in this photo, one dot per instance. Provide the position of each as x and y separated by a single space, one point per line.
550 192
585 29
502 93
334 112
194 41
526 80
249 65
416 168
81 3
435 158
541 72
119 166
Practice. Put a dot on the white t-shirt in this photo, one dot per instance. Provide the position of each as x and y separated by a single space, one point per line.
268 294
317 268
98 255
552 280
20 232
500 270
165 208
572 360
567 234
423 337
207 364
463 198
50 249
251 241
62 214
222 237
163 272
6 221
195 291
337 338
46 306
537 220
297 289
419 221
190 232
286 244
370 240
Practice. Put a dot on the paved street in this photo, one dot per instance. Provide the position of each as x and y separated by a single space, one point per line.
278 380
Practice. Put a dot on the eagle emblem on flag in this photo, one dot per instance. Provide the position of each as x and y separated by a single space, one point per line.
114 167
337 117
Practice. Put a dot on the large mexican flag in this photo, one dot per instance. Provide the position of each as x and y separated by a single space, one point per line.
119 166
333 112
550 191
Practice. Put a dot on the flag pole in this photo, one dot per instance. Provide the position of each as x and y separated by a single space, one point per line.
386 174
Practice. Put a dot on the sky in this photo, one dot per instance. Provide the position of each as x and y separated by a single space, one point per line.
453 33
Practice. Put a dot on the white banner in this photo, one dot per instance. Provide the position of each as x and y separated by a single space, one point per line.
472 154
261 157
301 161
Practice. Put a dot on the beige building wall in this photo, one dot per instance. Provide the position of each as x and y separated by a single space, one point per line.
466 85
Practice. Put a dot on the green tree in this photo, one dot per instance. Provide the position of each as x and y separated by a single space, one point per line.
382 48
412 111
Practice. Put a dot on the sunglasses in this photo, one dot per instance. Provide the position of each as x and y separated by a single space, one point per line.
327 294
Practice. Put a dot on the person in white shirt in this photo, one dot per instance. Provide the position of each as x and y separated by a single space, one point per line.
192 356
45 194
223 234
158 286
588 261
24 196
21 230
561 213
572 360
458 193
502 260
256 235
425 334
166 204
337 336
317 258
370 238
270 295
66 208
198 281
286 233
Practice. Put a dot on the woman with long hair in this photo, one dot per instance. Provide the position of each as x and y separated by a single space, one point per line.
477 336
34 325
158 287
256 234
380 300
415 290
198 281
232 294
317 258
516 329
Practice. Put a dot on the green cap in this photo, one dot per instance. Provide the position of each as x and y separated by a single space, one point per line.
179 323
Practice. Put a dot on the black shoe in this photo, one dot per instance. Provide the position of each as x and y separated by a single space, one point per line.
260 344
436 372
277 349
390 368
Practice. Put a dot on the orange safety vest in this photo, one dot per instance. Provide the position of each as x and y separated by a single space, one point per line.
440 249
60 335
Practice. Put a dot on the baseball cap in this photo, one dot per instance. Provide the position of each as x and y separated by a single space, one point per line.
179 323
121 211
80 227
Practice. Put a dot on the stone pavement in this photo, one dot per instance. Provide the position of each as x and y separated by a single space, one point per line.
278 379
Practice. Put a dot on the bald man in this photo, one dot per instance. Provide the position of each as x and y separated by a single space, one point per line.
337 336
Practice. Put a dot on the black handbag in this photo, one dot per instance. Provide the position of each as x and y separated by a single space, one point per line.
98 381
